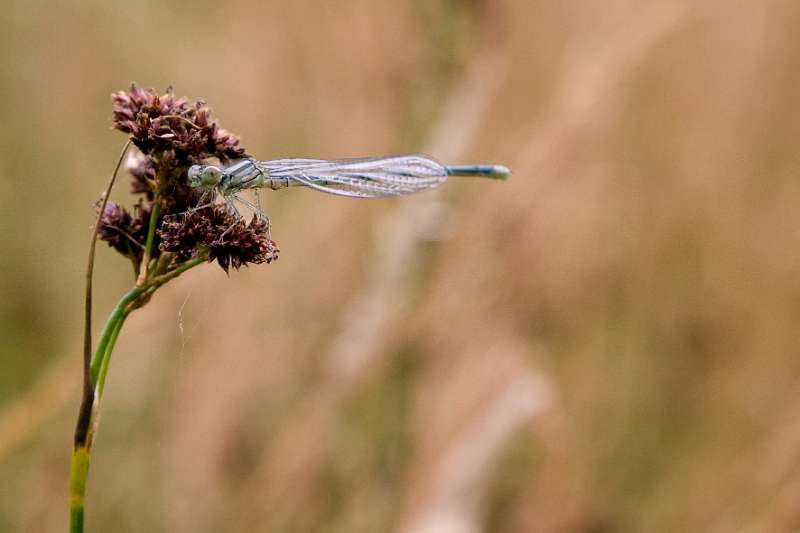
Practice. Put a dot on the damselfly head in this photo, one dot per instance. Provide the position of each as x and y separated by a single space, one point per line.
204 176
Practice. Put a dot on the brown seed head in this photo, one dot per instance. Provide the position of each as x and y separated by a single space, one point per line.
227 239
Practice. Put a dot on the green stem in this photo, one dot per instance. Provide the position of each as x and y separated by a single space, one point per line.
77 488
180 269
115 319
148 246
103 370
81 454
151 229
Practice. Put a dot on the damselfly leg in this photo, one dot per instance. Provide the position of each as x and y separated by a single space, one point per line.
257 211
200 204
231 209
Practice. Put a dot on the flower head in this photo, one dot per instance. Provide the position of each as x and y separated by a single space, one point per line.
162 123
170 135
142 169
123 231
226 239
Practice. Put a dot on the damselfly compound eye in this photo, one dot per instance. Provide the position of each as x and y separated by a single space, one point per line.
204 176
210 176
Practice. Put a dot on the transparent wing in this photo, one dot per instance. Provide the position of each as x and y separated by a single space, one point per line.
360 178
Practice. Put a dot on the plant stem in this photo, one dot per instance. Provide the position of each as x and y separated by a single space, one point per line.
88 389
115 319
82 449
183 267
148 247
77 488
81 454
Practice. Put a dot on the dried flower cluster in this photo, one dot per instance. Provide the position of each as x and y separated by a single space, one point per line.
171 134
230 242
161 124
123 231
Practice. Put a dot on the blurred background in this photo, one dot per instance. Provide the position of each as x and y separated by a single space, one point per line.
608 342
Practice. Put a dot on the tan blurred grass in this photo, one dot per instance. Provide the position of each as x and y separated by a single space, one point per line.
607 342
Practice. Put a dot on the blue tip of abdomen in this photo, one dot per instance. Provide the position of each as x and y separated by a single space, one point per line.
495 172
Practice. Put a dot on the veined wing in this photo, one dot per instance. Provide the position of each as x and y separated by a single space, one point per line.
360 178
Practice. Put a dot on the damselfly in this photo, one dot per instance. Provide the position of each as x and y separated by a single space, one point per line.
371 177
